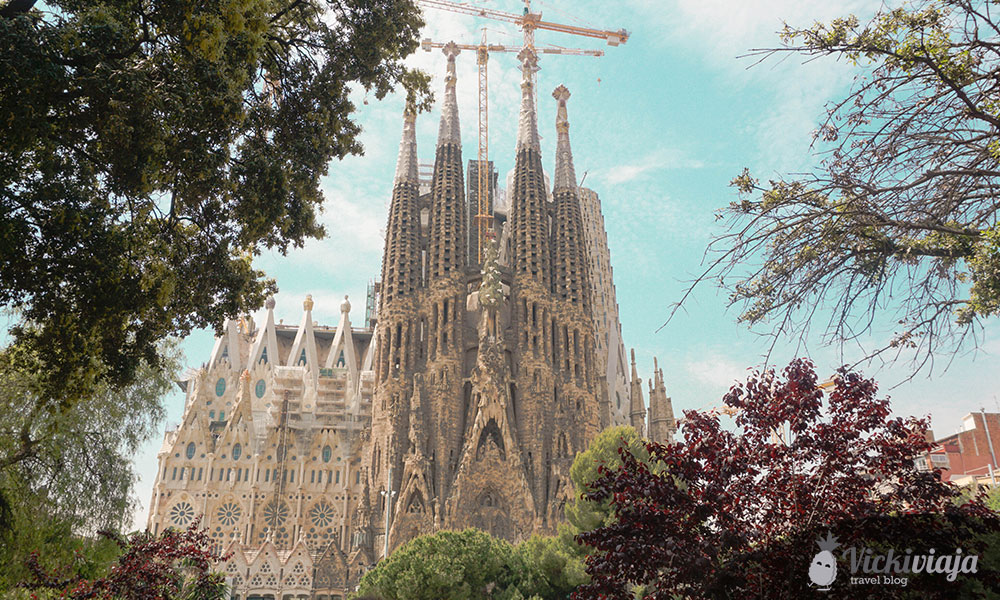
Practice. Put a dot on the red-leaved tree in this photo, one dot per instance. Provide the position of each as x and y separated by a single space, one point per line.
737 514
176 565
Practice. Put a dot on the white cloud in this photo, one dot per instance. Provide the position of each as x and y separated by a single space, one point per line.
667 158
716 370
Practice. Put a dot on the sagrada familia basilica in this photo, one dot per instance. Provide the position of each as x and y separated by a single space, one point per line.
311 451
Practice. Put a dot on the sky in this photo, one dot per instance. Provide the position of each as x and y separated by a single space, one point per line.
659 127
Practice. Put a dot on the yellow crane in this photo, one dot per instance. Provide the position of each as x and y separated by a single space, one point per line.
528 22
483 49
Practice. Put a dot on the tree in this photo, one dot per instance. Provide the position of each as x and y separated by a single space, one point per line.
66 471
452 565
740 512
603 453
152 149
554 565
897 225
176 565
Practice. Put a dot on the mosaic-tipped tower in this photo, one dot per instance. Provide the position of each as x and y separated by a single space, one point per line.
529 211
569 257
447 243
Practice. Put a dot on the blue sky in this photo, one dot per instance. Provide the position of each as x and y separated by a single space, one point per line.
660 126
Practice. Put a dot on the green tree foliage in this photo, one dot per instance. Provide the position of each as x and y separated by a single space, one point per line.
176 565
554 565
897 224
65 470
604 452
150 150
449 565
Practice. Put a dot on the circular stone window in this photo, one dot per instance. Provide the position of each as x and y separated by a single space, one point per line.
181 514
261 388
220 386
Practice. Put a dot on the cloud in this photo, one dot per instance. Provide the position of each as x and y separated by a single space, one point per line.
666 158
716 370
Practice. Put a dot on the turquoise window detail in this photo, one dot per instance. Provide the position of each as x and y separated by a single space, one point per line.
220 386
190 450
260 388
237 451
327 453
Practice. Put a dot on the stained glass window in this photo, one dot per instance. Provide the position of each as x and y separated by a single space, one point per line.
229 513
182 513
261 388
327 453
237 450
190 450
220 386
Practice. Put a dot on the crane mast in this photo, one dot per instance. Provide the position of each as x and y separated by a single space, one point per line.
528 22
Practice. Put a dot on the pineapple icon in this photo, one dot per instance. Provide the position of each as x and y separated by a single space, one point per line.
823 568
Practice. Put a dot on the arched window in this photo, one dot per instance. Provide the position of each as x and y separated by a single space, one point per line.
190 450
237 451
327 454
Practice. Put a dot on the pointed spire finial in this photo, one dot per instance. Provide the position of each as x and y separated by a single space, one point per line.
565 177
527 131
449 132
406 164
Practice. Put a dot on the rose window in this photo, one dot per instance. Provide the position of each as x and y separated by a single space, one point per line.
322 514
229 513
182 513
275 514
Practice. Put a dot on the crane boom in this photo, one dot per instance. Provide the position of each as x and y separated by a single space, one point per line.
428 45
530 21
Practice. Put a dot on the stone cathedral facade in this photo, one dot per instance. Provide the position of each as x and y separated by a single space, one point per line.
311 451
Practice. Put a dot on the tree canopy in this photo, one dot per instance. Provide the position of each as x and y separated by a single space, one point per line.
896 227
452 565
67 470
152 149
740 512
175 565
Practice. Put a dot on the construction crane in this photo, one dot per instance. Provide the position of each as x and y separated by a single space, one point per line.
274 519
483 49
528 22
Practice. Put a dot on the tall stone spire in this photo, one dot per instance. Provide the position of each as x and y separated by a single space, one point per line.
637 408
400 264
570 278
529 221
527 129
447 253
565 175
406 164
448 131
